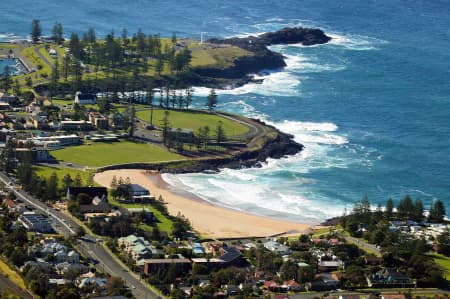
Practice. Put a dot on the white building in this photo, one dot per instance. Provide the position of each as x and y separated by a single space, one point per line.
85 98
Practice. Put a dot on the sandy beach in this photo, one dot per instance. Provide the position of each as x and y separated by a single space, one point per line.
207 219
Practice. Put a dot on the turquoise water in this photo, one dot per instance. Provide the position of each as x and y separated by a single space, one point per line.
372 107
7 62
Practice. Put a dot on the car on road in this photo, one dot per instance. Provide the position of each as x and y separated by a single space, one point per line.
124 270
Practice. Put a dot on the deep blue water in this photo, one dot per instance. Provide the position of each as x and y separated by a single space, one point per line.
372 107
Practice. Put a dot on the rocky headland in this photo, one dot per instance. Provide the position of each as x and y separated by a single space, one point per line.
262 59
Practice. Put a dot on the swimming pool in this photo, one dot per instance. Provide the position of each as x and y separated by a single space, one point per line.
16 66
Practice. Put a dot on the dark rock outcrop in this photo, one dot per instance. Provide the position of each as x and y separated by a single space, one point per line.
262 58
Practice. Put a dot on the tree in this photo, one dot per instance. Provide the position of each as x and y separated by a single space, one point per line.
78 182
16 87
131 114
444 243
150 99
188 100
114 285
52 186
67 181
389 209
57 33
29 82
36 30
437 212
174 38
7 157
6 80
211 100
220 132
165 126
417 214
113 184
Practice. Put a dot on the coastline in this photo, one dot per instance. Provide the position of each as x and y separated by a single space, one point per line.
208 219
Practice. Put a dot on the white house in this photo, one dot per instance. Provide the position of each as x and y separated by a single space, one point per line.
85 98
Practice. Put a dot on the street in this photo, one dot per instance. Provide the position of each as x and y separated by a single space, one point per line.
90 249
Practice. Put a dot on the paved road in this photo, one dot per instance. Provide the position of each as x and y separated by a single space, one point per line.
67 226
110 265
362 244
6 283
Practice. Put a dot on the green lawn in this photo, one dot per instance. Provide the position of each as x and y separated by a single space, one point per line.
164 223
46 171
12 275
444 262
102 154
193 120
203 55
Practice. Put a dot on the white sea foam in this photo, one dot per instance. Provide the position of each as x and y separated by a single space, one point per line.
281 187
355 42
266 190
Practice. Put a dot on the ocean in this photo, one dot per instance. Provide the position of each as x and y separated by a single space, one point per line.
372 107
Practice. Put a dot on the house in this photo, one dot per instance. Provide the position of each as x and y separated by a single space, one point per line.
272 286
92 192
97 205
388 277
38 154
116 121
58 282
330 265
65 267
98 120
138 190
7 98
277 248
76 125
138 247
52 53
197 248
63 140
155 265
146 214
372 260
291 285
85 98
35 222
92 281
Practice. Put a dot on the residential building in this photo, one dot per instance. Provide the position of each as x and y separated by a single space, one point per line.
92 192
64 140
388 277
98 120
35 222
38 154
76 125
277 248
85 98
7 98
138 247
155 265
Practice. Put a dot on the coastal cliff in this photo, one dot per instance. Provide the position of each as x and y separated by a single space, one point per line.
280 146
262 58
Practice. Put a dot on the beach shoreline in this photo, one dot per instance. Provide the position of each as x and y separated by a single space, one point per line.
209 220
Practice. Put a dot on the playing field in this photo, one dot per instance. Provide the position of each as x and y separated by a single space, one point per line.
193 120
102 154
